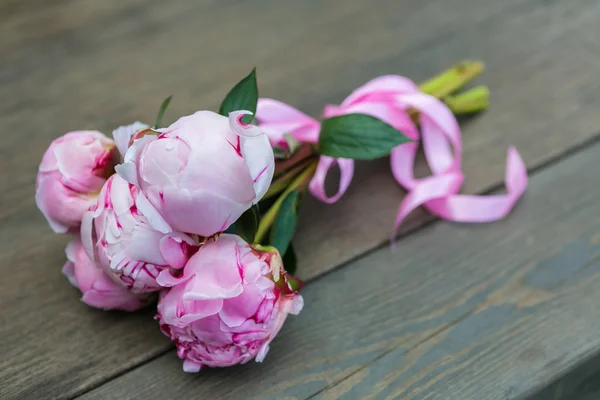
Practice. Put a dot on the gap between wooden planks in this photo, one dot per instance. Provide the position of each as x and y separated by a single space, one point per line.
544 96
457 312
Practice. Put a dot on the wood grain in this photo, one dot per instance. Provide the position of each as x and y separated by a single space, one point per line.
581 383
455 312
70 64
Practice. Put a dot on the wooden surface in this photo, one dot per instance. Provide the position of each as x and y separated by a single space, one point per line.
87 64
456 312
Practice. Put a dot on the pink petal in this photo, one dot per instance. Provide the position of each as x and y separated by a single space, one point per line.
122 135
191 366
262 353
190 311
128 172
258 156
208 330
216 271
241 128
69 271
237 310
202 212
154 218
145 245
173 252
166 279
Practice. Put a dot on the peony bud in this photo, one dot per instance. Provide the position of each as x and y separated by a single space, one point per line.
70 176
227 306
120 240
98 289
201 173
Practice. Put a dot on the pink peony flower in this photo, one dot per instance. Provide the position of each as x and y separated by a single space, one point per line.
70 176
201 173
98 289
228 305
120 240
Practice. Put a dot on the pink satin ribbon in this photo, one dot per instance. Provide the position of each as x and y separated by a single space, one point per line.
389 98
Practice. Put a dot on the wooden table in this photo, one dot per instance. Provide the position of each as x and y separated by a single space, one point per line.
462 312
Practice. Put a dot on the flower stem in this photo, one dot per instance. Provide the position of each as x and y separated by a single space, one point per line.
267 220
443 85
304 152
452 79
470 101
280 183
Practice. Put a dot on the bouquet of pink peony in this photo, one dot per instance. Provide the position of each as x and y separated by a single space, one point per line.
200 215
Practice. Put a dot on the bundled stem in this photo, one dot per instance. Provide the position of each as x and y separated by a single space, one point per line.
452 79
470 101
269 217
304 152
280 183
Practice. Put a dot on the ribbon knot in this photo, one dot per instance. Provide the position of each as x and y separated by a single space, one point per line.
391 99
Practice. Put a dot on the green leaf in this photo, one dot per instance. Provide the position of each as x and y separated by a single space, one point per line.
358 136
243 96
284 226
231 229
290 260
161 111
247 224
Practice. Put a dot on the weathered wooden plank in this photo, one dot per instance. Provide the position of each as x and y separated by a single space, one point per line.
581 383
523 339
78 64
524 66
455 312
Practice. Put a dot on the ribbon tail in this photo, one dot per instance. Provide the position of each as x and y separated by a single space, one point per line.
429 189
481 209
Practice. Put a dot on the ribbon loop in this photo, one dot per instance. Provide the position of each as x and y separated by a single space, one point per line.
390 98
317 183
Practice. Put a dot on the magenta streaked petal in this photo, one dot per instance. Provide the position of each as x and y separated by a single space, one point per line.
240 127
155 220
259 158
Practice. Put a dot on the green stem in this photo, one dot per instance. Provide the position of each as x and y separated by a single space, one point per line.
452 79
470 101
280 183
301 154
267 220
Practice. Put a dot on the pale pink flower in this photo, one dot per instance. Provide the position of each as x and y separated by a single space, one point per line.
70 176
201 173
120 240
98 289
228 305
